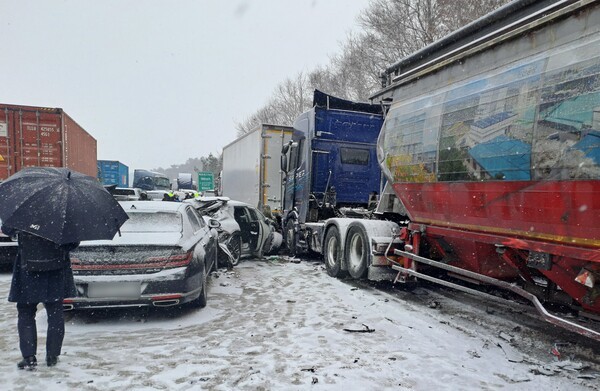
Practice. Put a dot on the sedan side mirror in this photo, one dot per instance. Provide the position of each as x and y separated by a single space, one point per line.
214 223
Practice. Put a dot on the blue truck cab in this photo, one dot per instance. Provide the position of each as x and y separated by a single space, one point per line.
330 163
148 180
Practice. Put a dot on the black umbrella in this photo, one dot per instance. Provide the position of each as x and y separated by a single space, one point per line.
60 205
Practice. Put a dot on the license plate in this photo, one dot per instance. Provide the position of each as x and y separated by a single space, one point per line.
129 290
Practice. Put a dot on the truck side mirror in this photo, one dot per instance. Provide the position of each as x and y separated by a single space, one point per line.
284 163
286 148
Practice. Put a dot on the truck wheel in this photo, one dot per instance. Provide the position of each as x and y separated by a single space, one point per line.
332 253
357 251
290 237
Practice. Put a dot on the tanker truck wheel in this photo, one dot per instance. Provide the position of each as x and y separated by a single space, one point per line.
357 251
332 253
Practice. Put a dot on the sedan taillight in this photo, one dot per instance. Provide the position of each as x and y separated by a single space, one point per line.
176 259
131 259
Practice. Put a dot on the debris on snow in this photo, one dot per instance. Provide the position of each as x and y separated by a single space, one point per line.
588 376
505 336
365 329
473 353
512 355
434 304
202 379
543 370
555 349
513 379
311 369
570 365
392 321
315 380
558 367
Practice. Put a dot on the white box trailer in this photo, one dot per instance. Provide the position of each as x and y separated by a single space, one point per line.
251 171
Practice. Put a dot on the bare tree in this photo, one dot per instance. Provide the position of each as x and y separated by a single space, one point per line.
290 98
392 29
264 115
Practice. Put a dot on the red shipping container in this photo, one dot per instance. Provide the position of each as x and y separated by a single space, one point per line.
43 137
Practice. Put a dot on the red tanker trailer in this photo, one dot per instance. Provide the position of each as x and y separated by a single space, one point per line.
492 145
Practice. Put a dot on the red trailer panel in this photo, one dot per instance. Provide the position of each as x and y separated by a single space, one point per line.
80 148
43 137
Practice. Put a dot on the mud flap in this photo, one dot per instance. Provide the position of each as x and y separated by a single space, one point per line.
380 273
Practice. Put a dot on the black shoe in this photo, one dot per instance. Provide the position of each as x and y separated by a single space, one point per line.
51 360
28 363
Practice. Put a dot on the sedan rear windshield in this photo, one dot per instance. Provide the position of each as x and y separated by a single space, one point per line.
152 222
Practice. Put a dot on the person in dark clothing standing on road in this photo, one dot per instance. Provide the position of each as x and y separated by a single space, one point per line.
41 274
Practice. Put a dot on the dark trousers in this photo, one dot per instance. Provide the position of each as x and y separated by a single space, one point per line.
28 330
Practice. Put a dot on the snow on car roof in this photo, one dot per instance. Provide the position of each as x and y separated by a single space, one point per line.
240 203
157 206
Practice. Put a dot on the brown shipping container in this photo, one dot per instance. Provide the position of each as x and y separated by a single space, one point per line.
43 137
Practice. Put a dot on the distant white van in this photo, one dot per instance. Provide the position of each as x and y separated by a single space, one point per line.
128 194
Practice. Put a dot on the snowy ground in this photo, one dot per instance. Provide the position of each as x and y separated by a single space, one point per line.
281 325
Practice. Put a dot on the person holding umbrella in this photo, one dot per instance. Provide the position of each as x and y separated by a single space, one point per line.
51 210
41 274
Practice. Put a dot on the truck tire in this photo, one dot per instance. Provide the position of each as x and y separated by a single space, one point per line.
357 252
290 237
332 253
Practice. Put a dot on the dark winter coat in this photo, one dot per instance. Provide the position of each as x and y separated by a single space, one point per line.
41 287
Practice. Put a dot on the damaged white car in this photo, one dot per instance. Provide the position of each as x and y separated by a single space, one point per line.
244 231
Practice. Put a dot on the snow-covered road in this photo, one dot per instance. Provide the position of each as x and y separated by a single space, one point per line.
282 325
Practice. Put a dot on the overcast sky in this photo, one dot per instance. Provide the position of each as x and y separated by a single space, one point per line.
158 82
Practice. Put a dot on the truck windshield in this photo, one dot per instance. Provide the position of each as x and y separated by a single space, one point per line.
153 182
162 183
